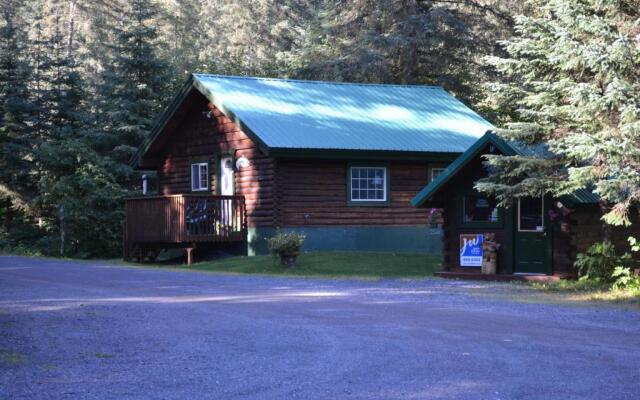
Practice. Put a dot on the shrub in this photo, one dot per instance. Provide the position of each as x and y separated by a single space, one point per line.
286 242
623 278
601 263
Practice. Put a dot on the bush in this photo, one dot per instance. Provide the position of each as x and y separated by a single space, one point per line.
286 242
601 263
625 279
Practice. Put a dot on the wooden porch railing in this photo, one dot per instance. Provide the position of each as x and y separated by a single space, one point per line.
184 219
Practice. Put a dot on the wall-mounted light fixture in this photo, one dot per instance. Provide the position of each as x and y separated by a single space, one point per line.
242 162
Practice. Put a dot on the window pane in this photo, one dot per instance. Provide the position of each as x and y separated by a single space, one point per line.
478 208
368 183
531 214
194 177
204 176
435 172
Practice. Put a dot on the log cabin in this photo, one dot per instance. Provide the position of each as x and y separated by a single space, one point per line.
533 236
238 158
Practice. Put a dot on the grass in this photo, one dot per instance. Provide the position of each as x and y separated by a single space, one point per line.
589 291
331 264
568 292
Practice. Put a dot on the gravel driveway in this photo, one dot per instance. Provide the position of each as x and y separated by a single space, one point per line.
76 330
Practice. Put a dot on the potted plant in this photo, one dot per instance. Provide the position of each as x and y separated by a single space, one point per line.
287 246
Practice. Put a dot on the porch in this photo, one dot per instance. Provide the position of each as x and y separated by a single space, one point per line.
154 223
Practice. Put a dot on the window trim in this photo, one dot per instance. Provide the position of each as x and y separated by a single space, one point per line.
199 188
541 214
479 224
432 170
369 203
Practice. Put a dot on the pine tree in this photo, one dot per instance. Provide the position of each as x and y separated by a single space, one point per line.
16 107
570 90
73 176
135 80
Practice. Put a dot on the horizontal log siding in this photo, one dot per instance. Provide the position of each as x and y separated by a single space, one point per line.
199 137
314 193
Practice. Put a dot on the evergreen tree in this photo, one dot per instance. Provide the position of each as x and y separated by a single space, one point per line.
135 80
403 41
570 89
16 107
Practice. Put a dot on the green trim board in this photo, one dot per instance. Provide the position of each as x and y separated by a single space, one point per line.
340 154
400 239
318 118
257 240
432 188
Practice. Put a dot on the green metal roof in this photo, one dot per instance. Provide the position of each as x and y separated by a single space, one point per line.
295 114
582 196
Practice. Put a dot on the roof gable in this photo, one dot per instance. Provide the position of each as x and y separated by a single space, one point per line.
452 170
579 197
283 115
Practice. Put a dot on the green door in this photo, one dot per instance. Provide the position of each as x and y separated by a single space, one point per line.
532 240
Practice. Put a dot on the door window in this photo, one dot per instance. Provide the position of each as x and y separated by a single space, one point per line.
226 176
531 214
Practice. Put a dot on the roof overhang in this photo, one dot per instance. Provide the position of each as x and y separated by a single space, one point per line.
458 164
580 197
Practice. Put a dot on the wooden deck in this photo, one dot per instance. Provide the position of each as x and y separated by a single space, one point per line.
186 220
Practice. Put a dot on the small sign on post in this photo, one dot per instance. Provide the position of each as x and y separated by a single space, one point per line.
471 250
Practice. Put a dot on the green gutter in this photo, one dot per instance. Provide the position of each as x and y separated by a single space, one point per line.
362 154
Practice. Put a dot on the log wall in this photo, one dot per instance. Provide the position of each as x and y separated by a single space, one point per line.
314 193
202 137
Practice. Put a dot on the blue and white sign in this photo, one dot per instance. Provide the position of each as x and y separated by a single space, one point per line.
471 250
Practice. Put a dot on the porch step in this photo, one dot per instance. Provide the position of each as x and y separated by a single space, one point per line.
504 277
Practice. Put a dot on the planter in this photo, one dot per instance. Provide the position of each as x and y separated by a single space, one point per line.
490 254
288 258
489 267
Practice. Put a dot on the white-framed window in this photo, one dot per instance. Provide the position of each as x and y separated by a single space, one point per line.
368 184
199 176
531 214
435 172
480 208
